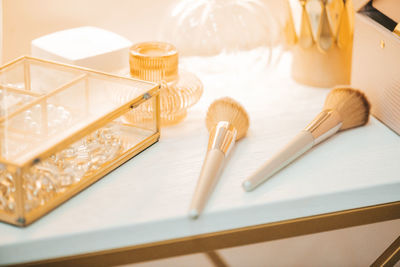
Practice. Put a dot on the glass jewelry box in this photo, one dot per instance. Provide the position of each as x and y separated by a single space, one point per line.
62 128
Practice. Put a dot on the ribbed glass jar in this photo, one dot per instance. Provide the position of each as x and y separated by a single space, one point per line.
158 62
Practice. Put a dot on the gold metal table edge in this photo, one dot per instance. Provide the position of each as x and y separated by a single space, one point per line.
231 238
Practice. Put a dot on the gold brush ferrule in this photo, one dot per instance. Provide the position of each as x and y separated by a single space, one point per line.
327 123
222 137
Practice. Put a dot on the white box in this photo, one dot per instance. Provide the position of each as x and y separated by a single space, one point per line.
88 47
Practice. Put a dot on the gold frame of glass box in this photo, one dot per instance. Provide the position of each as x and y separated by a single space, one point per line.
16 171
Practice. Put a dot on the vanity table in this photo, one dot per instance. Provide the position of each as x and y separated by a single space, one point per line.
138 212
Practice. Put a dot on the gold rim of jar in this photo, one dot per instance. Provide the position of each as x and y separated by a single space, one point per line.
154 61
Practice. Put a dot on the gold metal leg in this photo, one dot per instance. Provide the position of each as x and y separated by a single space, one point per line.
390 256
216 259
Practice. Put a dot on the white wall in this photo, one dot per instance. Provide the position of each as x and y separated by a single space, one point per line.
25 20
137 20
1 31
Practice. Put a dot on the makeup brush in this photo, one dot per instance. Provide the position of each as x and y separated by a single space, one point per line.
227 121
344 108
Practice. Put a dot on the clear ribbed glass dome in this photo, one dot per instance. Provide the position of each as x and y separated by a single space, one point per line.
208 28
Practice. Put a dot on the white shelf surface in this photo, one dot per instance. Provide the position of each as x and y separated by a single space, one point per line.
146 199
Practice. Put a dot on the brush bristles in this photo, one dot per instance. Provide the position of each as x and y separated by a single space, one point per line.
227 109
351 104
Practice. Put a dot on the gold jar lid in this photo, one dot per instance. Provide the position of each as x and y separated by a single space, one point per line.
154 61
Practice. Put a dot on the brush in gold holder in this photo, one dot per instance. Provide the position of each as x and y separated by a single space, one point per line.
158 62
59 132
320 34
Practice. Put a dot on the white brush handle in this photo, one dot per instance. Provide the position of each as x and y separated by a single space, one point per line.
300 144
208 178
